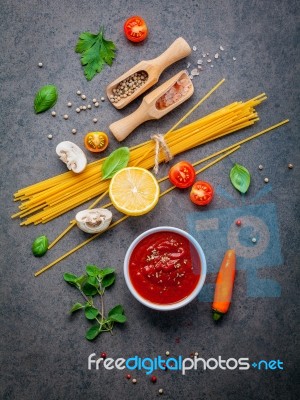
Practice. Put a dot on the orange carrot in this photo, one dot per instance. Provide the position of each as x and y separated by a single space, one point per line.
224 285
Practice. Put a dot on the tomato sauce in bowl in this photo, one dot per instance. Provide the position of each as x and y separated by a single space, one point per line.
165 268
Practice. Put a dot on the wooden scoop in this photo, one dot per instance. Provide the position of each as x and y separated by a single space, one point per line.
156 104
153 68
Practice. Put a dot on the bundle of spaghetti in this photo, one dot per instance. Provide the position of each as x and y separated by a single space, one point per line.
53 197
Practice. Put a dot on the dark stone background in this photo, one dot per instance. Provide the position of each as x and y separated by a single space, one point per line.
43 350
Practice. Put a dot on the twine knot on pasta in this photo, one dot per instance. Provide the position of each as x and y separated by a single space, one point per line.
160 143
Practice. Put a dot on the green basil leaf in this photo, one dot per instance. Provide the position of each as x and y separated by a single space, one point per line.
70 278
92 270
116 310
93 332
240 178
91 312
45 98
118 318
76 306
40 246
108 280
117 160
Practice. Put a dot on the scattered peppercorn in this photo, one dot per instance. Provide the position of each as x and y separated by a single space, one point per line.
266 180
89 106
134 380
79 92
95 120
78 110
96 104
84 108
69 104
74 131
160 391
50 137
66 116
238 222
102 98
128 376
254 240
260 167
94 100
290 166
40 64
167 353
53 113
103 355
153 379
83 96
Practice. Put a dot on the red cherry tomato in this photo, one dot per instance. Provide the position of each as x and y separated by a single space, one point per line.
202 193
135 29
182 174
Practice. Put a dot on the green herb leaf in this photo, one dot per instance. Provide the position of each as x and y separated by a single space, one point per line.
91 312
116 310
45 98
70 278
117 160
81 280
76 306
118 318
40 246
106 271
240 178
108 280
89 290
95 52
92 280
93 332
116 314
93 270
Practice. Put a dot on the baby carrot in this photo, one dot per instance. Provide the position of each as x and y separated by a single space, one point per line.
224 285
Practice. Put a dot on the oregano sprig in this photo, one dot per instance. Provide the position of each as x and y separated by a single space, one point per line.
91 284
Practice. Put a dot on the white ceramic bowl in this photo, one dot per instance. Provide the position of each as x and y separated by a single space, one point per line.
184 301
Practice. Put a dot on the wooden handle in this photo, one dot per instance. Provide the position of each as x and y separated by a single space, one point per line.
123 127
178 50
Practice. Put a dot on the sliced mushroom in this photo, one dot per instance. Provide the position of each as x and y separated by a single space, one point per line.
72 156
93 221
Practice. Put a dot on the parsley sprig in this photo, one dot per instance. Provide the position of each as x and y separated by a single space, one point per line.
93 283
95 52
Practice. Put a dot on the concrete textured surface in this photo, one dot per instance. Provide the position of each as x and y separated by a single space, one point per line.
44 355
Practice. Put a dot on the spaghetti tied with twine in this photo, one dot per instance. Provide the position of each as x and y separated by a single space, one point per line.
160 143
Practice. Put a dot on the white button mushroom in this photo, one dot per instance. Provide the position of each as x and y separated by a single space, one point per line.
72 156
94 220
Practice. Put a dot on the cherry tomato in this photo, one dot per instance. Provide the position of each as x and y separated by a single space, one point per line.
182 174
96 141
135 29
202 193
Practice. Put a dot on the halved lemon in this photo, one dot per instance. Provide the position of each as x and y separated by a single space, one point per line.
134 191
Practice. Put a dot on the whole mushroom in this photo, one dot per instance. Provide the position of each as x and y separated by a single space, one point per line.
72 156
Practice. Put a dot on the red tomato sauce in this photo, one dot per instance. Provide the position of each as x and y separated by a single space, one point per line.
164 267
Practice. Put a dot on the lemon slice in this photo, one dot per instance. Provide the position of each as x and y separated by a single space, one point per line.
134 191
